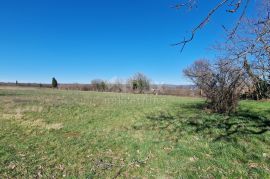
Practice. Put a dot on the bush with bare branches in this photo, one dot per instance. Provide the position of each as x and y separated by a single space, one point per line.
247 41
251 47
139 83
221 83
99 85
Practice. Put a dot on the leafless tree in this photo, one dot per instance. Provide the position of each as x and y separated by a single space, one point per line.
221 83
248 42
117 85
251 47
232 6
139 83
99 85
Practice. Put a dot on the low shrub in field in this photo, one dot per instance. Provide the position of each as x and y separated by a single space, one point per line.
221 83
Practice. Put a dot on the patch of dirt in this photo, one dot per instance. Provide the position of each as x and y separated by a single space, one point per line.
138 135
18 100
18 112
193 159
7 116
34 108
72 134
17 88
16 116
55 126
253 165
41 124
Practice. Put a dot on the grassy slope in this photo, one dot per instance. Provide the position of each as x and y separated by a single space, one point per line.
59 133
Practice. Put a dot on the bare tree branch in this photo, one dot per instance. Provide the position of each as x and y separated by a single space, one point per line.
235 7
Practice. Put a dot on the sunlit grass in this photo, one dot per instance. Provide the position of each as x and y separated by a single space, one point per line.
51 133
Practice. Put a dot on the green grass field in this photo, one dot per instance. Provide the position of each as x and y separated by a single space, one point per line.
55 134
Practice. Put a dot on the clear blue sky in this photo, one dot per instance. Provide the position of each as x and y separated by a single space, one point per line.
80 40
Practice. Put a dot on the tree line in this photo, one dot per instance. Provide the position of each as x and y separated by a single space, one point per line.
138 83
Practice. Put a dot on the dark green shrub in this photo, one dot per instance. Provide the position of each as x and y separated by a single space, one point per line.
54 83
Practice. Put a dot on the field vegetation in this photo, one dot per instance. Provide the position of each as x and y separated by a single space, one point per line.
53 134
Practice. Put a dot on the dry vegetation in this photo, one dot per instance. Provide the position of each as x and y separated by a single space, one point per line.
47 133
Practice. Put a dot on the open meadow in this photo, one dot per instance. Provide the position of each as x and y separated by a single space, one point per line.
47 133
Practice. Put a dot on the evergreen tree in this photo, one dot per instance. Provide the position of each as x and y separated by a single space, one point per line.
54 83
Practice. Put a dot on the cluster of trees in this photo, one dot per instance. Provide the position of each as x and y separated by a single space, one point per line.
99 85
243 66
139 83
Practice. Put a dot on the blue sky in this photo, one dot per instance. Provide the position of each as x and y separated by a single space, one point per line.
81 40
